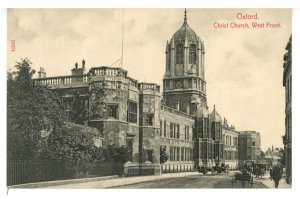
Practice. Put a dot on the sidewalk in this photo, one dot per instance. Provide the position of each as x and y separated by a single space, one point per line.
98 182
270 183
121 181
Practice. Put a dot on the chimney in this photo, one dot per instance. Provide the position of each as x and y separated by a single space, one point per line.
83 63
78 71
42 73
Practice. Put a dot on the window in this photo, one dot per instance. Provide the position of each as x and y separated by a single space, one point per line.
179 54
171 154
178 154
192 54
132 112
187 132
149 119
172 130
178 131
165 128
289 125
253 143
112 111
182 154
161 129
188 154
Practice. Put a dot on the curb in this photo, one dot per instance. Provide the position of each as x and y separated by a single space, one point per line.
60 182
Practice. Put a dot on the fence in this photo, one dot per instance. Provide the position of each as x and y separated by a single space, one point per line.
28 171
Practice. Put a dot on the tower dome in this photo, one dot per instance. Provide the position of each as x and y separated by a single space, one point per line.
184 77
185 33
215 117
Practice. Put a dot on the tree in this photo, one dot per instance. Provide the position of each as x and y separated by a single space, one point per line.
74 147
78 112
31 108
118 154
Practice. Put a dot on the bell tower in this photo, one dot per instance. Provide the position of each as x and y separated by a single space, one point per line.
184 83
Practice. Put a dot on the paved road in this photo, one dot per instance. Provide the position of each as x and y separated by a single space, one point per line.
197 181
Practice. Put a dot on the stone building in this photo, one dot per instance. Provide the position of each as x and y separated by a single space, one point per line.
248 146
138 115
272 157
230 139
287 83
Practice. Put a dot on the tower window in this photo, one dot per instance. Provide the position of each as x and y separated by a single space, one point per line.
132 112
179 54
112 110
149 119
192 54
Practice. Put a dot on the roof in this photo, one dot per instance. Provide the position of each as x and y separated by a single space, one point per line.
185 33
215 117
202 111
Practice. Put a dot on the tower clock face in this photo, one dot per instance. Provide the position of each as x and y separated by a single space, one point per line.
178 84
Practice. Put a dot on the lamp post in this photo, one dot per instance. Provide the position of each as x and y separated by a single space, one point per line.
272 156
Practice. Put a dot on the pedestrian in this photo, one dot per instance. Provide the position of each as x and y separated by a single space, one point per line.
276 175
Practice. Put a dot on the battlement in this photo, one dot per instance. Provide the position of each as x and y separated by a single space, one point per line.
107 71
102 71
63 80
149 87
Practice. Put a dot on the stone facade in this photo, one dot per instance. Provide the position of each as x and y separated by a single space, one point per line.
230 139
287 83
248 146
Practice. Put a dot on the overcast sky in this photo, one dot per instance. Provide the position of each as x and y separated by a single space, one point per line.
243 67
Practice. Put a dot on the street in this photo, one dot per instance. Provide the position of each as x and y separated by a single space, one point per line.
197 181
173 180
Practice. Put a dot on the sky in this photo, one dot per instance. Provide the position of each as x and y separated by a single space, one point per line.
243 66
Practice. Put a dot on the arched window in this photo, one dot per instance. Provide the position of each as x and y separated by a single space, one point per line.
179 54
192 55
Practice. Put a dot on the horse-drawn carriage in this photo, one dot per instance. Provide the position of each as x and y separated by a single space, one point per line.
243 177
259 169
215 169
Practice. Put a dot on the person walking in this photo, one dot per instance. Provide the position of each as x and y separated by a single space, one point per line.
276 175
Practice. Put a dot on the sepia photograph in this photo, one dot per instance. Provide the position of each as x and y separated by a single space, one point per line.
139 98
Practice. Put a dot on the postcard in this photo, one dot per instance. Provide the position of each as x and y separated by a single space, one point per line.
149 98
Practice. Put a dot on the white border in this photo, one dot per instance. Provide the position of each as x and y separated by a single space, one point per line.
141 194
149 3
